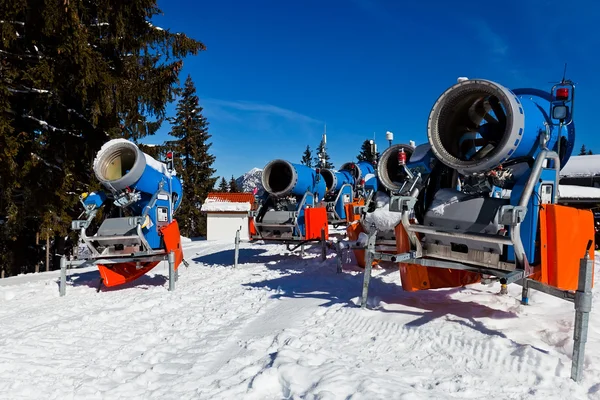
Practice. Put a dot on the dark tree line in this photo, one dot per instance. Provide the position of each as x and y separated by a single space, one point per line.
584 151
228 187
365 154
72 76
320 159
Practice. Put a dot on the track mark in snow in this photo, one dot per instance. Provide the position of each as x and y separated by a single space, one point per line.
287 313
467 347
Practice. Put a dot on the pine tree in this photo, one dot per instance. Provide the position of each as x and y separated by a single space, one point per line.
223 186
590 153
233 186
322 151
366 153
72 76
194 163
583 150
307 157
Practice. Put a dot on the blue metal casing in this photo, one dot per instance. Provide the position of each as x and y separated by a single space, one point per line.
421 160
339 206
343 177
150 180
570 129
95 198
367 172
308 180
310 199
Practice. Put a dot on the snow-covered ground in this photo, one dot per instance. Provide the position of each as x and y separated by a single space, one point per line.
281 327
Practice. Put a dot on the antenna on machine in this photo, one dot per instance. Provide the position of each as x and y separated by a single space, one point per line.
564 79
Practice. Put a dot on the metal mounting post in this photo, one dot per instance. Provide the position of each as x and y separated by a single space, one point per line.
338 258
368 267
302 250
63 276
583 306
525 292
171 259
323 245
237 249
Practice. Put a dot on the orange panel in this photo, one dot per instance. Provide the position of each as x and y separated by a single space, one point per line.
315 219
568 231
172 239
251 227
118 274
349 208
417 277
543 274
352 231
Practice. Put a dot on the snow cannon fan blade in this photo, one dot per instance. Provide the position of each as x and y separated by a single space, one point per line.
475 125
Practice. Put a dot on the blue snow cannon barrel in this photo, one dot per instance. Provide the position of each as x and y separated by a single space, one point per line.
334 180
121 165
362 170
146 184
477 125
283 178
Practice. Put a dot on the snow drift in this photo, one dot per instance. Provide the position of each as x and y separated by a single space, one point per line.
282 327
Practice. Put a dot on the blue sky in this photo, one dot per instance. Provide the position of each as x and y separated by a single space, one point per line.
275 71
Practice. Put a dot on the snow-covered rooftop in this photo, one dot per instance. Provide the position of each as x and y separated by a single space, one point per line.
228 202
578 192
581 166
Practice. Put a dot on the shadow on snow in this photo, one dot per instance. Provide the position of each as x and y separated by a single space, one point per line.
312 278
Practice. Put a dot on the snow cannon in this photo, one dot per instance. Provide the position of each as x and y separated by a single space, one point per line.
340 192
364 176
478 126
291 208
146 194
394 173
392 167
484 136
282 178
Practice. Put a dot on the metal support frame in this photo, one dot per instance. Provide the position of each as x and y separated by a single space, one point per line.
63 276
370 249
323 245
582 299
338 220
237 248
288 227
172 272
66 264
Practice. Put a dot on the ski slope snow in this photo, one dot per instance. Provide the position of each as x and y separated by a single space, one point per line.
282 327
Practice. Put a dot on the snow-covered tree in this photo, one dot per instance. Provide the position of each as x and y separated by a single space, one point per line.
223 186
73 74
366 152
307 157
322 158
233 186
193 161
